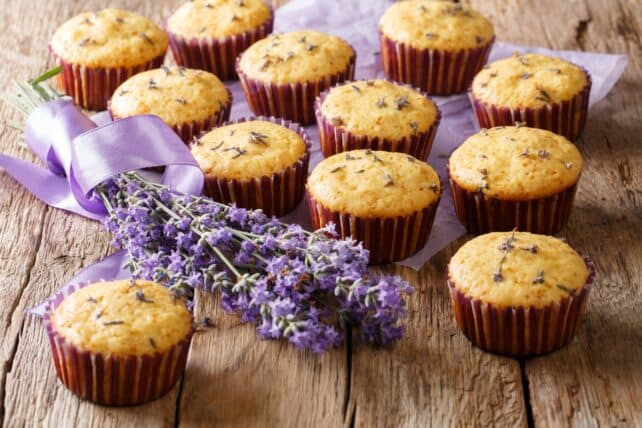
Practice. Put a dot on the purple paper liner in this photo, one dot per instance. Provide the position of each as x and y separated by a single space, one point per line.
276 194
482 214
217 56
292 101
438 72
520 331
188 130
387 239
113 380
92 87
566 118
334 139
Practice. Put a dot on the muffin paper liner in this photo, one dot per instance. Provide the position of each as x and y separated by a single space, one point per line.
438 72
217 56
520 331
189 130
387 239
113 380
292 101
482 214
566 118
92 87
277 194
335 139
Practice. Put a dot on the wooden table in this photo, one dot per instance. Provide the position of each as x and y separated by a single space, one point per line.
434 376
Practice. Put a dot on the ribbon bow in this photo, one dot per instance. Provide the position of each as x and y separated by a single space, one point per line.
80 155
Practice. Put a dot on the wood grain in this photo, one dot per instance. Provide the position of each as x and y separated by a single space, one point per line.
434 377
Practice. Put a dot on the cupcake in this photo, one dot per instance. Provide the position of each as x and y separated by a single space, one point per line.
386 200
188 101
210 34
255 163
437 46
514 177
377 115
119 343
536 90
519 293
283 73
99 51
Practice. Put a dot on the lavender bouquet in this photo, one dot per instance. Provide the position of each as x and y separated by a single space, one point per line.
306 287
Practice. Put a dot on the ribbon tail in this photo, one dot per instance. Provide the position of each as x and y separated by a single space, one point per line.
50 188
108 269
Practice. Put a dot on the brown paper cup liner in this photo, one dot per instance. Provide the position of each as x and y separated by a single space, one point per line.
482 214
292 101
277 194
114 380
217 56
188 130
520 331
92 87
387 239
335 139
438 72
566 118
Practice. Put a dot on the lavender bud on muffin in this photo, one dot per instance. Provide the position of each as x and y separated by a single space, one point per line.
377 115
284 73
514 177
535 90
119 343
437 46
189 101
519 293
211 34
386 200
100 50
257 163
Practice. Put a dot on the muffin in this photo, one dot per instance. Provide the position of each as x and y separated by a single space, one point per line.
188 101
514 177
284 73
119 343
210 34
536 90
99 51
377 115
386 200
519 293
437 46
255 163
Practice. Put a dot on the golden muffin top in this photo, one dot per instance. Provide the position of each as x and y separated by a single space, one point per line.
378 108
109 38
297 56
122 318
218 18
368 184
175 94
516 163
441 25
529 80
248 150
511 269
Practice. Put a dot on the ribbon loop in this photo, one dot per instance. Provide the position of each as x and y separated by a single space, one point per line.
79 156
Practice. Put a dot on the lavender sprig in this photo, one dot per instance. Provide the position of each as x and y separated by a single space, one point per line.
291 283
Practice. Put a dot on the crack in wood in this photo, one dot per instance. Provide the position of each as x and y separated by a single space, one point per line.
582 27
527 395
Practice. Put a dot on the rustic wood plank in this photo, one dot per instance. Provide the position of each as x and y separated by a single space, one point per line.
433 377
597 380
235 379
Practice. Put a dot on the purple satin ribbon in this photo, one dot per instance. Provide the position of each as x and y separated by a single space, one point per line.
80 155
